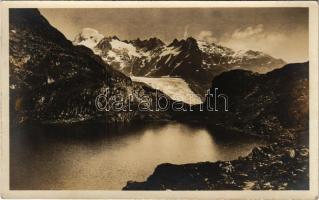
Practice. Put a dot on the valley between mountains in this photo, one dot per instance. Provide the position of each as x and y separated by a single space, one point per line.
56 81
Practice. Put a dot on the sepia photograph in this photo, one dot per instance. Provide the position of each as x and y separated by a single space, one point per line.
159 98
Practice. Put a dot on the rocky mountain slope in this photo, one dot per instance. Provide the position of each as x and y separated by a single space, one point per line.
51 80
197 62
274 106
264 104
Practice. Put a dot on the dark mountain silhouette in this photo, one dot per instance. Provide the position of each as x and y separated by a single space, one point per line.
147 45
265 103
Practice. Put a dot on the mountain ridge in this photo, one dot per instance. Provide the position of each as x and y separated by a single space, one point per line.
196 61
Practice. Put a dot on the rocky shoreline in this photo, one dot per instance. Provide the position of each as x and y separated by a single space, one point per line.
278 166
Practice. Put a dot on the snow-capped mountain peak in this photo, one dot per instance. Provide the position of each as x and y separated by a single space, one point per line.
212 48
88 37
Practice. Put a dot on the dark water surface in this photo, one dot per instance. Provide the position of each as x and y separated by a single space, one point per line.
97 156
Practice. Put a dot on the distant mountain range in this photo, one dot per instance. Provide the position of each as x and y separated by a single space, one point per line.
197 62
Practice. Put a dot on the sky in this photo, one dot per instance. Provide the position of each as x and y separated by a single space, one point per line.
280 32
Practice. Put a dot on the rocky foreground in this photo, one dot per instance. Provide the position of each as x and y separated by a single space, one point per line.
279 166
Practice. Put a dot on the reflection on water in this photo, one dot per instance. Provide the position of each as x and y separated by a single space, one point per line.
103 157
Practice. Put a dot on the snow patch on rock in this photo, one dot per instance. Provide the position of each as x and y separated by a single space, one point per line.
122 46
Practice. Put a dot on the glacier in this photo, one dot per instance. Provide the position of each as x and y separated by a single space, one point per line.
176 88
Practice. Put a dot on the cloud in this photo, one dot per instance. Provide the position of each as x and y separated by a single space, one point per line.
253 38
186 31
277 44
206 36
248 32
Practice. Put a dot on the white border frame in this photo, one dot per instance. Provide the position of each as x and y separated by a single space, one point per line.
98 194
